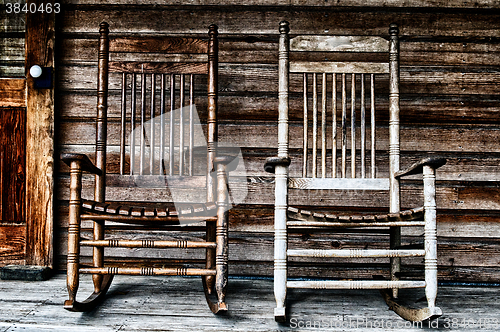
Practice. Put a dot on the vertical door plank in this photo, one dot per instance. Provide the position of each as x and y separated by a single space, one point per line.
12 164
40 39
12 240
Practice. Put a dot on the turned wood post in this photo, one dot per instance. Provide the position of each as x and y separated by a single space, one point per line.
281 175
101 137
213 51
75 201
221 234
395 240
430 235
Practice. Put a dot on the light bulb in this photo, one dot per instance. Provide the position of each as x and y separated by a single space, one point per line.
36 71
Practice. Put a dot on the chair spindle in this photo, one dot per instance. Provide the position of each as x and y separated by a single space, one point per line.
315 126
152 129
305 129
162 124
353 125
344 129
133 102
334 125
323 126
372 117
191 123
363 127
143 120
123 123
171 125
181 127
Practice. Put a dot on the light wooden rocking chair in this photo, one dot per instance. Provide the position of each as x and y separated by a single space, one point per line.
340 77
144 87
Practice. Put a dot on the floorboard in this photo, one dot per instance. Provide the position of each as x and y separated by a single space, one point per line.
178 304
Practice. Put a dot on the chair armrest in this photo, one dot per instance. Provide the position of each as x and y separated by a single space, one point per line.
272 162
417 168
84 162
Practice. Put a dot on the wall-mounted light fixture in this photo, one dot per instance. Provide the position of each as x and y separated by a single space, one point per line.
42 77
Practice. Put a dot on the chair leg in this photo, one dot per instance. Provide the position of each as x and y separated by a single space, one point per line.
221 234
98 255
210 256
280 274
430 241
101 283
395 241
73 263
430 245
280 243
73 256
221 264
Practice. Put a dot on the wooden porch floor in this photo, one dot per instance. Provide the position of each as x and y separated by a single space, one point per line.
178 304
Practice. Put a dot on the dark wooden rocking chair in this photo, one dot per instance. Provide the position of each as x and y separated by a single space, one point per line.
353 172
144 86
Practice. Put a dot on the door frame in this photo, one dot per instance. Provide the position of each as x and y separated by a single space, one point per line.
40 40
39 104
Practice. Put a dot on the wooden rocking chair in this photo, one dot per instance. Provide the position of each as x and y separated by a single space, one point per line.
144 88
353 172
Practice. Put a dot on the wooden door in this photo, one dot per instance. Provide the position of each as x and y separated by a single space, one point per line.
27 143
12 184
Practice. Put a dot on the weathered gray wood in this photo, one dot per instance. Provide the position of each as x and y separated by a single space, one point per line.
341 284
471 109
354 3
257 247
258 218
257 21
38 308
158 45
459 167
339 44
158 67
353 253
454 138
448 83
338 183
262 77
338 67
235 50
342 224
453 195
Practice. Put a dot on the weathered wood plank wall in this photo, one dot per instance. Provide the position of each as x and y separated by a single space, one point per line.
450 106
12 32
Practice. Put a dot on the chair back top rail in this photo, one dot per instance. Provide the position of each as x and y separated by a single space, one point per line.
339 183
158 67
339 67
158 44
319 43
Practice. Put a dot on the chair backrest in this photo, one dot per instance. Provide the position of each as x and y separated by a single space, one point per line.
156 76
339 101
